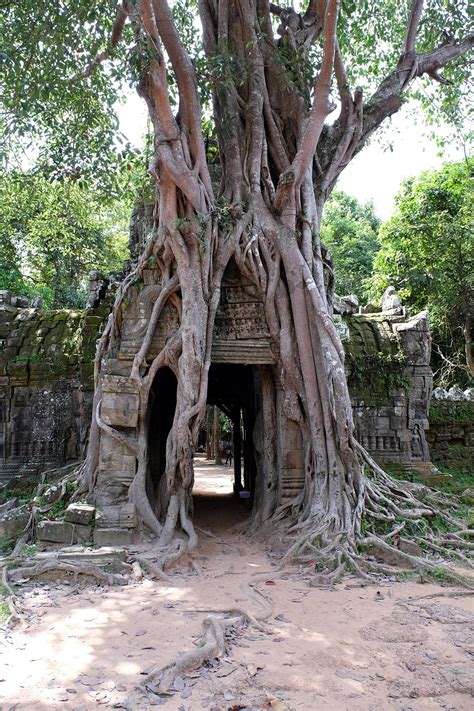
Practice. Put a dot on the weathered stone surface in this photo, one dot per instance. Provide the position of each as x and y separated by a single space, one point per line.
386 556
410 547
468 496
13 522
120 409
455 393
47 384
82 534
118 384
112 537
55 532
80 513
110 559
370 309
390 301
121 516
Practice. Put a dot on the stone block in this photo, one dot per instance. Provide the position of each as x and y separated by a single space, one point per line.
120 409
82 534
112 537
118 384
433 478
410 547
122 516
114 366
82 514
55 532
110 559
468 496
13 522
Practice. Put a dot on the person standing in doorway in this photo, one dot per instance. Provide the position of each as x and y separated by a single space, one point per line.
228 453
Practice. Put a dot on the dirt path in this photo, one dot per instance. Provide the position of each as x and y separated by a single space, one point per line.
350 647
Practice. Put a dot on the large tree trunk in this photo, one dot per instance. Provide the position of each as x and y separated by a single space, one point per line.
278 164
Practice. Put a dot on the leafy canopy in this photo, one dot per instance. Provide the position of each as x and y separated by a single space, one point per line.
427 252
350 231
53 233
68 122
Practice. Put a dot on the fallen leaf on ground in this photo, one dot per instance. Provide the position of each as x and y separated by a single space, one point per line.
275 704
253 669
179 684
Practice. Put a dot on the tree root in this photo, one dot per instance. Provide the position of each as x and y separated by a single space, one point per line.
16 614
48 566
331 548
155 570
210 646
72 474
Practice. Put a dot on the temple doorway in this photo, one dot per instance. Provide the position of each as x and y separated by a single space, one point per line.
232 397
225 472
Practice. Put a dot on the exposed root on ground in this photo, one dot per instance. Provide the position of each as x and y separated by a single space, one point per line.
57 491
25 572
16 613
214 642
370 544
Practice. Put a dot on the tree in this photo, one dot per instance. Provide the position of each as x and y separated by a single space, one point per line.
350 231
427 253
271 73
53 233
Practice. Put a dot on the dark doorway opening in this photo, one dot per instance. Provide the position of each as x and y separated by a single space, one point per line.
161 413
232 388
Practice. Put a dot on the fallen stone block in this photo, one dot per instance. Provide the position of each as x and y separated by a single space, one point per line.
82 514
468 496
55 532
112 537
110 559
121 516
13 522
410 547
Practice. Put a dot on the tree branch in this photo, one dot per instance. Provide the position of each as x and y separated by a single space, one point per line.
388 97
442 55
412 27
117 30
187 84
292 179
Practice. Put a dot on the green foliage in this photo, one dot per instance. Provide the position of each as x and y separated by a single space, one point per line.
372 378
53 233
452 412
7 544
4 611
371 36
350 231
63 120
427 252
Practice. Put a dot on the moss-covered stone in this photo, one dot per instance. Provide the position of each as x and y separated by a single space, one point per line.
452 412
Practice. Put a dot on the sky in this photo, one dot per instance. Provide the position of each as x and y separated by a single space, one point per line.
375 174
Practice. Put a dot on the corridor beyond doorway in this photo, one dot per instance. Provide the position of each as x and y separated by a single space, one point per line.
216 507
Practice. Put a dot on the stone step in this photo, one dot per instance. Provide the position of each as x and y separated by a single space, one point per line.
109 558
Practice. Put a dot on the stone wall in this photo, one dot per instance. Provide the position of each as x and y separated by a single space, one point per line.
46 385
390 381
46 379
451 434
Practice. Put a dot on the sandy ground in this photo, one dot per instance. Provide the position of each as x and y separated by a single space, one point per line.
350 647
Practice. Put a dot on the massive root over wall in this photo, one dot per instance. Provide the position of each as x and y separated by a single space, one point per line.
278 163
